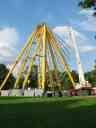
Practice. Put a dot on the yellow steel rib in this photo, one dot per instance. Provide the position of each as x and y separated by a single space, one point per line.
50 74
44 57
17 61
30 67
39 76
54 62
24 62
39 69
52 55
66 66
61 56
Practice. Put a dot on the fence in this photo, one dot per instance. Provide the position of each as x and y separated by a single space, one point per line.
21 92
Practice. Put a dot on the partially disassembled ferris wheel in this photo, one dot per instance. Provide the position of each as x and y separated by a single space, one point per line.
48 53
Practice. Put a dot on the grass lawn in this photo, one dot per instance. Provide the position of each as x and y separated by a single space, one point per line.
66 112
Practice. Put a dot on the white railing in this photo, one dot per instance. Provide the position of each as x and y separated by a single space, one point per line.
21 92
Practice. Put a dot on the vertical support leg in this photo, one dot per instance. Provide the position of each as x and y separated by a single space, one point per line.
44 58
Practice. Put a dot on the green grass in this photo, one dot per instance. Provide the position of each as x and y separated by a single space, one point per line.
66 112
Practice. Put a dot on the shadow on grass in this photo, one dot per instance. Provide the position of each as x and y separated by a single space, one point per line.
56 114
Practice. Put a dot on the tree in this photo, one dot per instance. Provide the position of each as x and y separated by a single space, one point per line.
75 76
87 3
91 76
3 72
53 80
84 4
32 80
65 80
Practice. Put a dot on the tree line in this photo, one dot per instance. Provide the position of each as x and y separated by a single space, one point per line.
51 79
